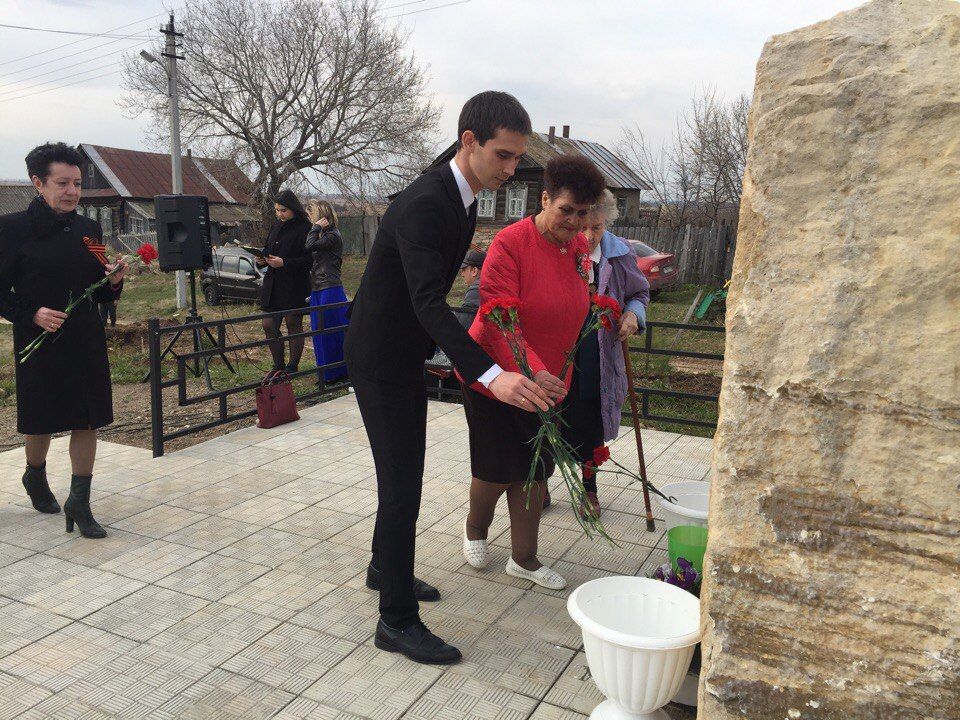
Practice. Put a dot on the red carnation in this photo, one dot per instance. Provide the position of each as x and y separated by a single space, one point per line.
589 470
147 253
499 306
601 455
607 308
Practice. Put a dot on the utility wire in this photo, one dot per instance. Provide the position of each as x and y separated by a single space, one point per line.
80 40
14 91
412 2
31 78
61 59
65 32
38 92
417 12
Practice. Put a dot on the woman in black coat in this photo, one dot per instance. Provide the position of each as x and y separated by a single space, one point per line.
287 282
46 259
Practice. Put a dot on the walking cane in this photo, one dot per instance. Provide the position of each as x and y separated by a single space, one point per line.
651 526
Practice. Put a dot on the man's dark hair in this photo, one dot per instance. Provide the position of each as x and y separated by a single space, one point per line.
40 158
489 111
575 173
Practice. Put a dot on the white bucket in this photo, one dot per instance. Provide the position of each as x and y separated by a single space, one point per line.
693 500
639 636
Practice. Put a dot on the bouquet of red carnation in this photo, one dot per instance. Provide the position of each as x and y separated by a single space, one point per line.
503 313
143 256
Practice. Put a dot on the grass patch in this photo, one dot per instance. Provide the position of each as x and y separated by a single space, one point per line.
153 295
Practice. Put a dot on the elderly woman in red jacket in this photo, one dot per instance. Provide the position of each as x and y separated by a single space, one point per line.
534 260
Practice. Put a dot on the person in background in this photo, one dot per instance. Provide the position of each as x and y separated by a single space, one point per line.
591 411
470 272
534 260
326 245
287 282
45 260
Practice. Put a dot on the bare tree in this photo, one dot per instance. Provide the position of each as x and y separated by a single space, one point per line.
698 173
292 88
664 169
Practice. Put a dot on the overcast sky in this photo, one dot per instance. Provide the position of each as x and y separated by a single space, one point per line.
595 65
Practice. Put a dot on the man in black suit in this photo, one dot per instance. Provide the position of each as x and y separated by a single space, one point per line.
398 317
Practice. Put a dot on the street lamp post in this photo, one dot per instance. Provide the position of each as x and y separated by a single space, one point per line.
170 53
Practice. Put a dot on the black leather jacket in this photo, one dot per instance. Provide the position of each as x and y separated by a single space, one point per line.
327 249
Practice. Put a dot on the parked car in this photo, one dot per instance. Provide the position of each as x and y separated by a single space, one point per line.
234 275
660 269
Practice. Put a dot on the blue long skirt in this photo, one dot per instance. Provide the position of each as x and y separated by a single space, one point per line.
328 348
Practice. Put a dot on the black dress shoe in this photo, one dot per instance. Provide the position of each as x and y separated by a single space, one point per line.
421 590
417 643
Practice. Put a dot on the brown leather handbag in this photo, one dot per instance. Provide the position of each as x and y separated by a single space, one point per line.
276 404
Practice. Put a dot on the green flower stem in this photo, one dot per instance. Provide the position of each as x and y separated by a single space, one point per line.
563 455
86 295
636 478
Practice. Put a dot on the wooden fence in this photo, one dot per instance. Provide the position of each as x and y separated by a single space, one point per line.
358 233
704 255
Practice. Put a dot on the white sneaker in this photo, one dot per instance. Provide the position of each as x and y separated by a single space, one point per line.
544 576
475 552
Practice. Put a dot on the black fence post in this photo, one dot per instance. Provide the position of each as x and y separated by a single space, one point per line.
156 392
222 345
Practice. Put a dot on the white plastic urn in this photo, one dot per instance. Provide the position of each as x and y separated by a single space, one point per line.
639 635
692 502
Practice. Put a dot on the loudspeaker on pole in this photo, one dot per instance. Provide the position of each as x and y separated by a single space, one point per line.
183 232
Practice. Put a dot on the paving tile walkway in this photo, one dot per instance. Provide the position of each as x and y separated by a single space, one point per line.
232 584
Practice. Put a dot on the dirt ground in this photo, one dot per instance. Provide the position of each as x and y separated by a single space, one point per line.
131 400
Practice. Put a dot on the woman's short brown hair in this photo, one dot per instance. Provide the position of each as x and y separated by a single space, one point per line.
575 173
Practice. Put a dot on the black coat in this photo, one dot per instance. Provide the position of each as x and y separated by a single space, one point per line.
287 287
65 384
400 312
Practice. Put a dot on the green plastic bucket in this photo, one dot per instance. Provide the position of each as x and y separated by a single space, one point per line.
689 542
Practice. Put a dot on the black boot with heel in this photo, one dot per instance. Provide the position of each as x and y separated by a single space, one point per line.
37 487
77 508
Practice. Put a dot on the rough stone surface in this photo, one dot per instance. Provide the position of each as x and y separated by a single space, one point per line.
834 578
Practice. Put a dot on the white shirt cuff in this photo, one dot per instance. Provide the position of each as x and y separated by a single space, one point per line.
490 375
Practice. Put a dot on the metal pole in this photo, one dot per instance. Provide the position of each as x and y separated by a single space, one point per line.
170 53
631 388
156 392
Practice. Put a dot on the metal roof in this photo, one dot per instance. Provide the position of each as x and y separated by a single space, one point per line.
619 176
15 197
137 174
615 171
223 214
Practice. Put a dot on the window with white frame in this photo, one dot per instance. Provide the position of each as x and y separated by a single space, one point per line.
516 201
106 220
486 203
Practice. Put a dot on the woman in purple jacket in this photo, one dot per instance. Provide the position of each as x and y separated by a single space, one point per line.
592 408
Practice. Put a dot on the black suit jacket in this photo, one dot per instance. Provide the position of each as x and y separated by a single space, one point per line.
400 312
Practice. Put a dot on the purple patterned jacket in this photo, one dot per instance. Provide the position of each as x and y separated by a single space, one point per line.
622 280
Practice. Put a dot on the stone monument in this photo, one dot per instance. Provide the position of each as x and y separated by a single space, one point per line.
833 566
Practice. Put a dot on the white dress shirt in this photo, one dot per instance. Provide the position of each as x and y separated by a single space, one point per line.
595 256
468 196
